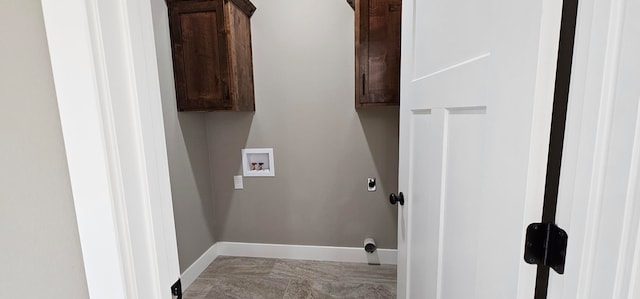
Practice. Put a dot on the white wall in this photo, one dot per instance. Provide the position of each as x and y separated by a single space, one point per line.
40 253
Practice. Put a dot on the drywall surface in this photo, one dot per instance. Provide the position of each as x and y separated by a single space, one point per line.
324 149
40 254
188 156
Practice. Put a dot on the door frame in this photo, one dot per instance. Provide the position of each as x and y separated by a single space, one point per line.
589 123
106 78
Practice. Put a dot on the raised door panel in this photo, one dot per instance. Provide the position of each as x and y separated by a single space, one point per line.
199 56
378 52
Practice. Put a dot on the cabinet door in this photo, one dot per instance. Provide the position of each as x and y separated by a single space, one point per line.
199 55
378 52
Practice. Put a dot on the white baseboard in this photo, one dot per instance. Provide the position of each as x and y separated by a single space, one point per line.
306 252
190 275
294 252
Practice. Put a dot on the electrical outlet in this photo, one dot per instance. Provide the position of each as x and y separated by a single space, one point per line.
371 184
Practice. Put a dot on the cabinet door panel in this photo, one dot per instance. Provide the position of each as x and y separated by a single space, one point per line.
199 55
378 52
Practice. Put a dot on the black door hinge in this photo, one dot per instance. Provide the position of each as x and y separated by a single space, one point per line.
546 244
176 289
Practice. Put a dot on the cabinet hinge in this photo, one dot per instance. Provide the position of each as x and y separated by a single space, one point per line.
546 244
176 290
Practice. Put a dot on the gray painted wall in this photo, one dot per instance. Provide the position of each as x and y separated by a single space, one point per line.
40 254
188 156
324 148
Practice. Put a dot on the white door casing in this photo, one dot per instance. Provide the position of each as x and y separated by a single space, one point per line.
476 96
599 199
105 73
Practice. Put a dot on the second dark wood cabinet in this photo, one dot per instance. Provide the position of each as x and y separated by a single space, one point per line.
212 59
378 52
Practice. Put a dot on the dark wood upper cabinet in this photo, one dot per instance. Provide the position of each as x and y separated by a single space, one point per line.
212 60
377 52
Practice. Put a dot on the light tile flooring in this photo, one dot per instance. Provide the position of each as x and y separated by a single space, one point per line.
249 278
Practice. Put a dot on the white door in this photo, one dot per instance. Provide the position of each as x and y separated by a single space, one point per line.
599 199
476 96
